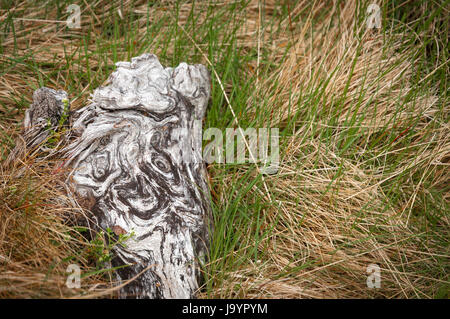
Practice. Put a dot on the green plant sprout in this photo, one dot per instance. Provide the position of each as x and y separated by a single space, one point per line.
104 242
56 133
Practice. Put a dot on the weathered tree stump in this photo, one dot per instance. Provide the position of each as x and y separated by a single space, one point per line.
49 110
135 153
137 158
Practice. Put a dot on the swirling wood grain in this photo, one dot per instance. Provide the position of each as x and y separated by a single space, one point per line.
137 154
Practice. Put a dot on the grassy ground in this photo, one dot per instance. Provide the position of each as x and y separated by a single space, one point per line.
364 134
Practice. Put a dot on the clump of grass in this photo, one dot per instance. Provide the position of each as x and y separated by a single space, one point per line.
363 134
38 238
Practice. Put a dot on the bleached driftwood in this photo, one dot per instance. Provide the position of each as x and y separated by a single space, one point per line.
137 165
137 161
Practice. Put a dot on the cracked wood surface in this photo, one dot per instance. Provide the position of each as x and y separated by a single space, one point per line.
138 154
135 153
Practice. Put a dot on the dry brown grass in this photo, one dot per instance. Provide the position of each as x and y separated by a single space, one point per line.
327 228
37 237
327 236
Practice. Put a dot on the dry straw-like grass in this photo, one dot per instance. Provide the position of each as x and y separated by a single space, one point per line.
328 227
38 240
